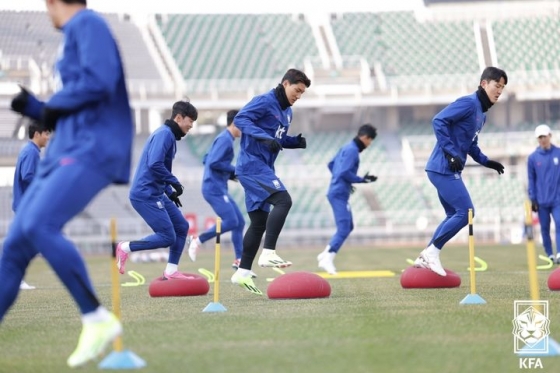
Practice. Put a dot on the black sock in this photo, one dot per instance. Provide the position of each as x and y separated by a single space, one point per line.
252 238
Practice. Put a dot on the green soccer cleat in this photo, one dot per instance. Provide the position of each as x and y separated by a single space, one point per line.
246 283
95 337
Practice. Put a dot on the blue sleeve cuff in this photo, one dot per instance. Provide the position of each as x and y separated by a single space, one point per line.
34 108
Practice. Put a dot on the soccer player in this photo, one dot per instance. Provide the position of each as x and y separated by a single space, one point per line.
264 124
344 168
456 128
155 192
217 171
91 149
26 167
543 168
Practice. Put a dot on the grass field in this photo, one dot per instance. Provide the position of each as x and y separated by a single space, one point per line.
367 325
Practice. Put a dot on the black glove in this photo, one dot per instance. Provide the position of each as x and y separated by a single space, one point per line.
273 144
19 102
302 143
175 199
455 164
178 188
369 178
233 176
495 166
49 118
534 206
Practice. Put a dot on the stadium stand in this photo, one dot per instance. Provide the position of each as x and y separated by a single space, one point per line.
226 45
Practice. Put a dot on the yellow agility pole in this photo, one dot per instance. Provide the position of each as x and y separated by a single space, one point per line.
115 288
473 297
118 358
531 253
216 306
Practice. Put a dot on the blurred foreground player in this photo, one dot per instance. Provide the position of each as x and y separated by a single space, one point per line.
90 149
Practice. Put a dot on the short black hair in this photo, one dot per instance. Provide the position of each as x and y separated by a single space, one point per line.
83 2
295 76
185 109
493 73
35 127
367 130
230 115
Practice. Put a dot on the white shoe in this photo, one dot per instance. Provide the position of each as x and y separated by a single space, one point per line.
194 247
326 262
25 286
430 262
272 260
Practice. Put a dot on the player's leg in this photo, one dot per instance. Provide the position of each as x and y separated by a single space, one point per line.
181 227
282 202
15 258
544 220
55 199
237 230
251 243
224 207
454 197
344 225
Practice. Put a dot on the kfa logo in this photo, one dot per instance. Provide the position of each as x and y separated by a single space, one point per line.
531 329
530 363
279 132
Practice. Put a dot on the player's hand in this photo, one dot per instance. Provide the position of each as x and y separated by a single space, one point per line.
19 102
495 166
369 178
178 188
455 164
534 206
273 144
175 199
301 141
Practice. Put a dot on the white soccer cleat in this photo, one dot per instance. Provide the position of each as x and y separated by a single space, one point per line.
272 260
194 247
326 262
430 262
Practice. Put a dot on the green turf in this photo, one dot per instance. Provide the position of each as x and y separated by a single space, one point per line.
367 325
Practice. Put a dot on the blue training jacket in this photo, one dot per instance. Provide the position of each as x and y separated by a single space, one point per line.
97 127
456 128
217 164
26 166
344 167
543 168
153 174
262 118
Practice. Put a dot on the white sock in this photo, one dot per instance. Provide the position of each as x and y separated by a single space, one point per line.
99 315
170 268
432 250
197 241
244 272
327 249
125 246
267 252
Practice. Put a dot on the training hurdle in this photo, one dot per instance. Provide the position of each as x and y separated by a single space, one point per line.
119 358
216 306
473 297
